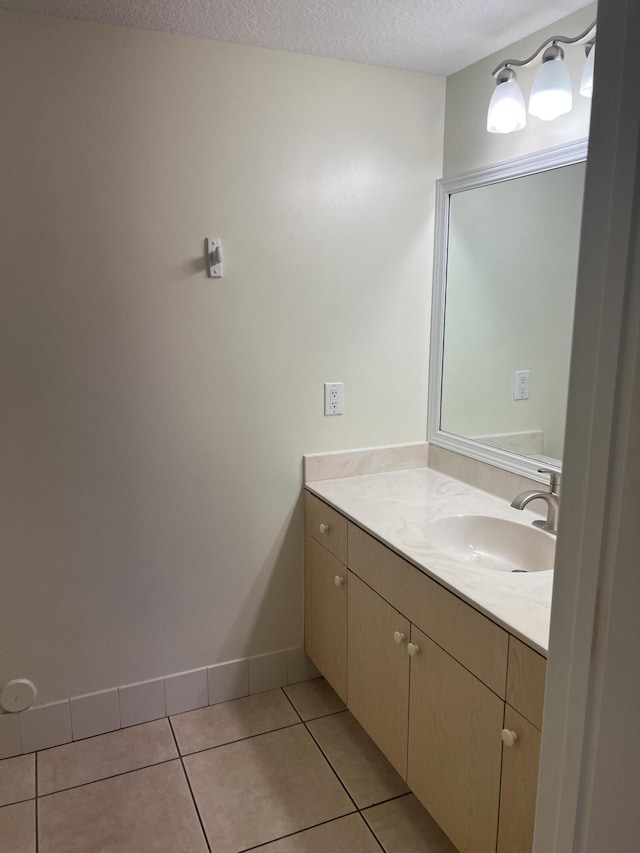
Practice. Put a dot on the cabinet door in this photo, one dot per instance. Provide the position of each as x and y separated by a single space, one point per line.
378 671
455 723
519 786
325 614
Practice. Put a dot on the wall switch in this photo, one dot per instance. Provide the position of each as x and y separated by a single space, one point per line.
521 385
333 398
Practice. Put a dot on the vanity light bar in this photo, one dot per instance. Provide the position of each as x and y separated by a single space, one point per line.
551 93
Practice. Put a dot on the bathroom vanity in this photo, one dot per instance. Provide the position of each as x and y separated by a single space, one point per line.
443 663
428 601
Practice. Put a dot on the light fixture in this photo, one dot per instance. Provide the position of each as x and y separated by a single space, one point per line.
506 110
551 93
586 84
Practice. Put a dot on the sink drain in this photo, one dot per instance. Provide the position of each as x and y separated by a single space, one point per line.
521 571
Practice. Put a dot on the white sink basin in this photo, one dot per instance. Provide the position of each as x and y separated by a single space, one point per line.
481 541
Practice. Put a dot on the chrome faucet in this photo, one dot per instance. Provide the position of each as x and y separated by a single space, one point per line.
552 499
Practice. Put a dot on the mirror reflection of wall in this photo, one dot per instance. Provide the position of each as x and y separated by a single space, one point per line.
510 292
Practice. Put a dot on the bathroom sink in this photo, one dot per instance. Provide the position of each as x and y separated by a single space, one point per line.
482 541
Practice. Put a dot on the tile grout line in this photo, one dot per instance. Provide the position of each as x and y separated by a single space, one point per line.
360 809
180 714
290 701
188 781
17 802
371 830
180 757
139 725
100 734
333 714
154 763
357 809
300 831
240 739
168 761
322 716
110 776
384 802
333 770
318 716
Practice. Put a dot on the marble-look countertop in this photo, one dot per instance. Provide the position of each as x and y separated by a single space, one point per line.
395 507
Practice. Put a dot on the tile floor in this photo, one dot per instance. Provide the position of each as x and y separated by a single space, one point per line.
286 771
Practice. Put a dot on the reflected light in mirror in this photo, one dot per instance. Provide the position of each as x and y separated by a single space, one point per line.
586 84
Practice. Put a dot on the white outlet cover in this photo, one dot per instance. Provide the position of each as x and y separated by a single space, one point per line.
18 695
521 379
333 398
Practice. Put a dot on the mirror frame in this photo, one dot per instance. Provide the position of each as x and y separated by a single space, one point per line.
543 161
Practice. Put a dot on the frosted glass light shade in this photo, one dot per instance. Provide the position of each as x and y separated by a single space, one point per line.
551 91
586 84
507 111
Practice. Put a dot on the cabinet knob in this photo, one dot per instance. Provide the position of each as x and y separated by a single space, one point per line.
509 737
338 581
324 528
399 637
413 649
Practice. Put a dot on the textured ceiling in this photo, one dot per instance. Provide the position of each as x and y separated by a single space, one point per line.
432 36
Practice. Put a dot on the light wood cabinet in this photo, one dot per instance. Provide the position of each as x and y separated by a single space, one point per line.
454 747
519 785
525 682
378 670
326 526
475 641
438 713
325 614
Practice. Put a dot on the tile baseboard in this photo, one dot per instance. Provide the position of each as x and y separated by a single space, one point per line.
93 714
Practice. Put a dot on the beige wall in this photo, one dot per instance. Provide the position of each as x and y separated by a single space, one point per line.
467 145
154 420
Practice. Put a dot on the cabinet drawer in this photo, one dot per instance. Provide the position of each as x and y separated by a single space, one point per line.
333 533
525 681
475 641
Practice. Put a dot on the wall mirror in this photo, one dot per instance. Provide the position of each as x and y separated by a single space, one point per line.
506 256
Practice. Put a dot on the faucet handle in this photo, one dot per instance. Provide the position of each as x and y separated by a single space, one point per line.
554 479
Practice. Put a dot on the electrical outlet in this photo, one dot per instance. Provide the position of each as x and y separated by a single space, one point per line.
521 385
333 393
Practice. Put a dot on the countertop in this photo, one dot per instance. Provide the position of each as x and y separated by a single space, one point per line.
395 507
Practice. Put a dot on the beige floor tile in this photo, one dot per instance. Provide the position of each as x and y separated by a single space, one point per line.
345 835
106 755
17 779
149 810
404 826
364 770
229 721
254 791
314 699
18 828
